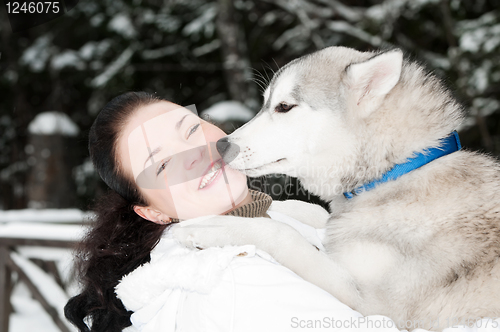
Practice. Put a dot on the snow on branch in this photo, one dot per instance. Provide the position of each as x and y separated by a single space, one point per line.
102 79
351 14
161 52
349 29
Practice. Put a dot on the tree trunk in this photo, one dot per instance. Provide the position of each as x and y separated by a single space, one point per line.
237 69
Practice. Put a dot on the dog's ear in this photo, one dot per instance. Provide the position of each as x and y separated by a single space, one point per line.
371 80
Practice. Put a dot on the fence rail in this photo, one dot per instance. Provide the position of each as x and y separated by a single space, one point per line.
15 236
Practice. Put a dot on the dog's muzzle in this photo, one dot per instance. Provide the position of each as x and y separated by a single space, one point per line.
228 151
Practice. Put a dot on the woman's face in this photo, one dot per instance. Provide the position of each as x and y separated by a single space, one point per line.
170 153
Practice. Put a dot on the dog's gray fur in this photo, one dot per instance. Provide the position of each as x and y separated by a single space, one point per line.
423 247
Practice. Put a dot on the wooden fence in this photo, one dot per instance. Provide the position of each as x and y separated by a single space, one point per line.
14 237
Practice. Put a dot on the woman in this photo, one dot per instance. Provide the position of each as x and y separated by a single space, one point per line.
158 159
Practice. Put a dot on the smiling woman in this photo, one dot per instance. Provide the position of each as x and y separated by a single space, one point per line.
179 178
161 162
170 152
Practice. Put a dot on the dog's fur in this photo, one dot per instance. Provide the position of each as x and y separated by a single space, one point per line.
423 247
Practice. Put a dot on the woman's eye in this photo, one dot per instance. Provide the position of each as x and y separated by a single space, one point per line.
193 129
162 167
283 107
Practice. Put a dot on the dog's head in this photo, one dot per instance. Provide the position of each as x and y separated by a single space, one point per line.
327 117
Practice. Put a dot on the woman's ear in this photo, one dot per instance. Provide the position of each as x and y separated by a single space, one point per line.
152 215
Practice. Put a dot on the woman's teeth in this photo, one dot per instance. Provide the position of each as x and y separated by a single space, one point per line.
211 174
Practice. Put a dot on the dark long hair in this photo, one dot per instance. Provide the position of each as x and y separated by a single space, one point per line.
119 240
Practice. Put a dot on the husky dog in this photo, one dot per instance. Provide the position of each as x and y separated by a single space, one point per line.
423 246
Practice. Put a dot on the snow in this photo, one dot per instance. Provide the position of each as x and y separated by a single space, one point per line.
94 49
36 55
487 37
483 106
351 14
67 58
471 40
394 8
289 35
340 26
479 33
202 22
228 110
46 285
28 314
486 106
437 60
168 23
87 50
207 48
122 24
479 79
416 4
97 19
113 68
161 52
148 16
268 18
44 253
492 42
46 215
53 123
42 231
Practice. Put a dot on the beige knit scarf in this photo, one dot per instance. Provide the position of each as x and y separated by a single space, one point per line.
257 208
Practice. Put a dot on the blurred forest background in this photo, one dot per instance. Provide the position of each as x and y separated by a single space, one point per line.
204 52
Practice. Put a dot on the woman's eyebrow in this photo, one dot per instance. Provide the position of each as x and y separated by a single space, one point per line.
155 151
179 124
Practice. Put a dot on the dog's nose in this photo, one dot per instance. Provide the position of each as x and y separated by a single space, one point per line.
228 151
223 146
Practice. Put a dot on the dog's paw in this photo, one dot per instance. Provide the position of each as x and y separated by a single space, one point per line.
214 232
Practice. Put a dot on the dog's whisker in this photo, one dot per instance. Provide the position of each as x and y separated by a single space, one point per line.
260 83
261 77
267 75
277 67
271 68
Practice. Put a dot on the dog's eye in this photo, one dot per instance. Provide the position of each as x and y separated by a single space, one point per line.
284 107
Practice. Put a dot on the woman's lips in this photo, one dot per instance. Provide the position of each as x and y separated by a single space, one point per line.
212 174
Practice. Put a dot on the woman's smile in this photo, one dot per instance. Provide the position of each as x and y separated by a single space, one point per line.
212 174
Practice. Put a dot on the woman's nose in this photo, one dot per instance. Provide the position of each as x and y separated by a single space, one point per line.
194 156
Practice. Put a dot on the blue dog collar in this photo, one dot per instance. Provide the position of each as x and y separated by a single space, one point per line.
448 145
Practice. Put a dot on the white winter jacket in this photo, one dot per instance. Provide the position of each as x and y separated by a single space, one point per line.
235 289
